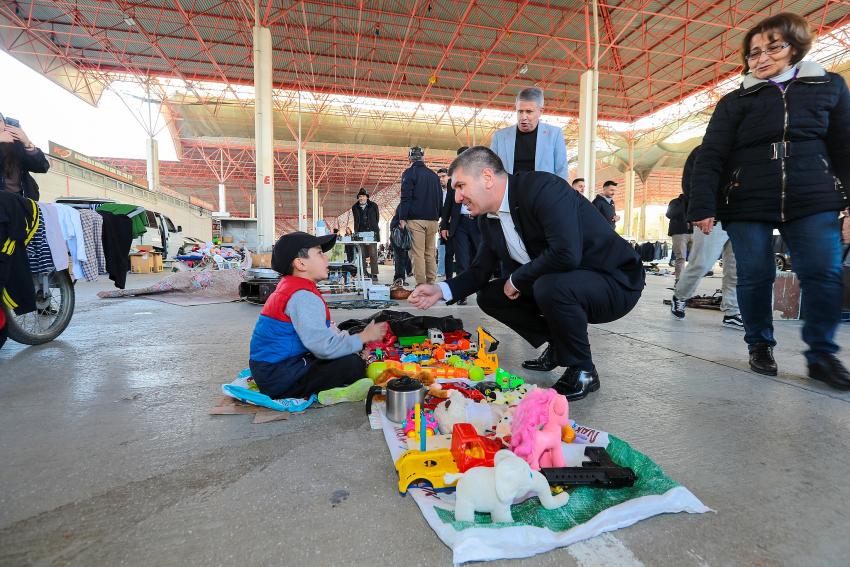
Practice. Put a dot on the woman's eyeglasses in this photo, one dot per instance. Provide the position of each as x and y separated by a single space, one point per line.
771 50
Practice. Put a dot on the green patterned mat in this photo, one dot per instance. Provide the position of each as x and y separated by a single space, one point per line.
585 503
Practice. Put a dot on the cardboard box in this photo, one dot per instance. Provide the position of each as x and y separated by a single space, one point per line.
156 262
261 260
378 293
141 263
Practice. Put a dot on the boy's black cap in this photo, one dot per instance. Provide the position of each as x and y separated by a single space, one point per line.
287 246
362 192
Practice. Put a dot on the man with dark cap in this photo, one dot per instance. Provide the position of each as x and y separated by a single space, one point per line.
366 216
419 211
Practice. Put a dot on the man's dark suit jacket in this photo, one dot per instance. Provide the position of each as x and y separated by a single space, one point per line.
561 231
606 209
450 214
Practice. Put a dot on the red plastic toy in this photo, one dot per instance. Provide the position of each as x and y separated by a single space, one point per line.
470 449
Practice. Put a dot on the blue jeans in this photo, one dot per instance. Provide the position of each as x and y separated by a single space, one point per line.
815 245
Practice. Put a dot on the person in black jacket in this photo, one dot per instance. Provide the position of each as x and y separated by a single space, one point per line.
604 203
776 155
419 211
679 230
18 158
366 216
445 252
401 259
567 267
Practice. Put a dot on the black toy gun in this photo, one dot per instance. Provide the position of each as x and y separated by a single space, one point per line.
600 472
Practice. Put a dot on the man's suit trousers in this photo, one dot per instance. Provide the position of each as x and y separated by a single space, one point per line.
559 310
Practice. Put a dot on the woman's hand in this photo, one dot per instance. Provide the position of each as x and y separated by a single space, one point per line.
19 135
705 225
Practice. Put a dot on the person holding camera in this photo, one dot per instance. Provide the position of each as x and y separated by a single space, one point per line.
18 158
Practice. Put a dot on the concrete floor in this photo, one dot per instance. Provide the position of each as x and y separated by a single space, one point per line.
109 456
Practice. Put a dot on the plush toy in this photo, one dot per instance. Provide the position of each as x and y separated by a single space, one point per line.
537 428
459 409
504 425
493 489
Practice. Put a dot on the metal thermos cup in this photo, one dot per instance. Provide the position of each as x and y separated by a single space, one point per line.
402 396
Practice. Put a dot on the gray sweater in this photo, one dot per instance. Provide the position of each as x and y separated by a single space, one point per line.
307 312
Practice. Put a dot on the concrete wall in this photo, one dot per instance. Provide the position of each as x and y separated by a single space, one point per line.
68 180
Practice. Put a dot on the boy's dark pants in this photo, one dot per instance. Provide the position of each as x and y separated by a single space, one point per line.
276 380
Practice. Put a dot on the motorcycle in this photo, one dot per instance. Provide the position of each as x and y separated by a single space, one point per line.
54 297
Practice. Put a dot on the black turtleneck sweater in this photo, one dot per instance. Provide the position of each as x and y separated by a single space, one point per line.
525 149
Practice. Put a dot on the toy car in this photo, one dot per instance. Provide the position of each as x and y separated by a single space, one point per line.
415 467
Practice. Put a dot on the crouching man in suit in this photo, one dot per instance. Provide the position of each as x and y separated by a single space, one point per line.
568 267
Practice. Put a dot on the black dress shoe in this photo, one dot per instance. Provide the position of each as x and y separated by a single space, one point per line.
576 384
761 359
830 370
543 363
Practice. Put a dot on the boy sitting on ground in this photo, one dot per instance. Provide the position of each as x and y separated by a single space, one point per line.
296 351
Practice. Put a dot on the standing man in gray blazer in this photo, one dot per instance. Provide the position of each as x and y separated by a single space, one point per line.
531 145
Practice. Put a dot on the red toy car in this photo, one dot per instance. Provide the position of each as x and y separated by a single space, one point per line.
470 449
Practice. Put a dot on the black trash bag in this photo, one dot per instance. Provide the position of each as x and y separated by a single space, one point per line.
404 324
401 238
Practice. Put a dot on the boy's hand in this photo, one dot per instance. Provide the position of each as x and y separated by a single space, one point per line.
373 332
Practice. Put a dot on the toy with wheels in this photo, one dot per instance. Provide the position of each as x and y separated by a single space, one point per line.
409 425
425 466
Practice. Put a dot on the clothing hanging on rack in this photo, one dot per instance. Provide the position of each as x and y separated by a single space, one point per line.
136 213
58 246
117 238
72 232
92 224
38 249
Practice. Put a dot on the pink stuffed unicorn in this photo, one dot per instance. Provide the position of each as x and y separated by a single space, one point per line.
536 429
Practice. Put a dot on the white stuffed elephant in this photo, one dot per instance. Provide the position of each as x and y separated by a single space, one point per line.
493 489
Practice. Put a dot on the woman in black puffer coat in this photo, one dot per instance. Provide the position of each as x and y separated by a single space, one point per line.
776 154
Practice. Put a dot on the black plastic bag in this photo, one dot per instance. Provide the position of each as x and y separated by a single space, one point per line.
401 238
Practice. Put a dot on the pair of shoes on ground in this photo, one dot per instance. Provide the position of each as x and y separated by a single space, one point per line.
826 368
575 383
677 309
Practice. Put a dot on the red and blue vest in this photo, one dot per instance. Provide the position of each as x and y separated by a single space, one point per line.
274 338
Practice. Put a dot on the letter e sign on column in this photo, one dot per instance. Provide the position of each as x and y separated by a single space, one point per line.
267 180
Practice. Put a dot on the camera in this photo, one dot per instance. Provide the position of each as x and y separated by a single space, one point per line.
12 122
